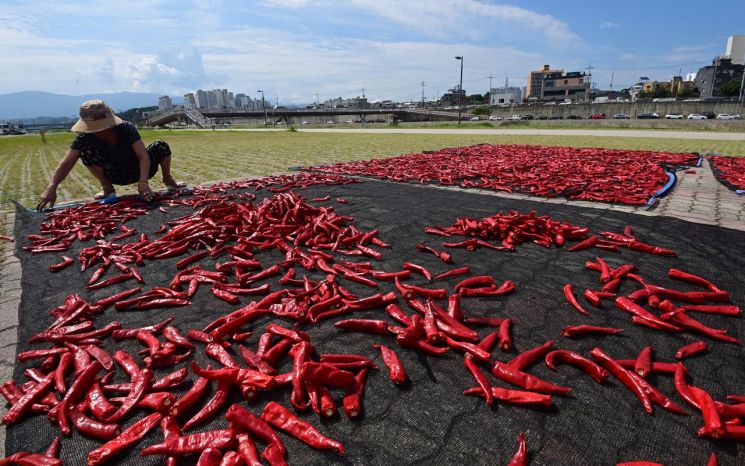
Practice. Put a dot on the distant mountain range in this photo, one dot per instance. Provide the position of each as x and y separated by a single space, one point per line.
27 105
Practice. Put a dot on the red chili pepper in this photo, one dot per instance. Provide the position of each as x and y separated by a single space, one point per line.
352 401
453 273
581 330
66 262
623 376
571 299
129 436
242 420
418 269
505 342
723 310
507 287
713 426
598 374
194 443
475 282
190 398
140 385
255 362
93 428
247 449
531 356
521 456
278 416
363 325
691 349
488 342
524 380
480 378
396 370
629 306
643 364
514 397
584 244
485 321
24 403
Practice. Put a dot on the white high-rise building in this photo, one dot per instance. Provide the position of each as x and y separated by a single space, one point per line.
201 98
736 49
189 100
165 103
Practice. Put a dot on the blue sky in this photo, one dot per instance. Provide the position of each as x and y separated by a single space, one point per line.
294 49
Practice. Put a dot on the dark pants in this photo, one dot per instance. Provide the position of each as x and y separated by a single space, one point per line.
124 172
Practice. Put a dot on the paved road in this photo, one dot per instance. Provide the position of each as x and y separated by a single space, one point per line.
619 133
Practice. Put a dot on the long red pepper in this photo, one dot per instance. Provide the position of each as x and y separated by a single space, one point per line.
691 278
521 456
352 401
211 407
244 420
281 418
129 436
623 376
691 349
524 380
396 370
418 269
24 403
190 398
379 327
571 299
531 356
514 397
453 273
713 426
194 443
581 330
93 428
247 449
597 373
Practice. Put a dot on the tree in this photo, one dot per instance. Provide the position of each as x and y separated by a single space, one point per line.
730 88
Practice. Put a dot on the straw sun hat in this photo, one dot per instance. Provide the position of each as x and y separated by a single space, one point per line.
95 116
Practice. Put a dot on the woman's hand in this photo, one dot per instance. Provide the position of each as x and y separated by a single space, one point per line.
144 189
49 196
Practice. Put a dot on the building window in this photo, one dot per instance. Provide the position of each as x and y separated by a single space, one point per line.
566 81
581 80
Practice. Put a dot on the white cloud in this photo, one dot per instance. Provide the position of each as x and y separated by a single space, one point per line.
609 25
292 4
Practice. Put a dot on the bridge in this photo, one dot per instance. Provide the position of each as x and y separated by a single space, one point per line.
207 119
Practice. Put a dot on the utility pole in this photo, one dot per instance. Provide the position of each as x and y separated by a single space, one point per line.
742 85
363 92
423 84
263 105
460 88
589 75
714 77
316 99
611 80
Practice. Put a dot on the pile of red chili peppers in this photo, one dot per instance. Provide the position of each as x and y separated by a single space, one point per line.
606 175
223 243
731 169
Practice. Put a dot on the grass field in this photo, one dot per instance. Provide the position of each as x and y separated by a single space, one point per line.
26 164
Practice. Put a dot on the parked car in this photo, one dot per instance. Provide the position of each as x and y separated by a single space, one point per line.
709 115
495 118
597 116
726 116
542 117
330 122
696 116
574 117
475 118
674 116
526 117
621 116
648 116
304 122
515 118
556 117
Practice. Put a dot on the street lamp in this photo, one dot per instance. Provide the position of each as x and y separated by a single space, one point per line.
460 88
263 105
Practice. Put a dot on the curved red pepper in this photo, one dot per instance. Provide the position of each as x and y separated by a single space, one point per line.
597 373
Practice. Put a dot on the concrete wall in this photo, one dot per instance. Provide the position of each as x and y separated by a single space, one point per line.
631 109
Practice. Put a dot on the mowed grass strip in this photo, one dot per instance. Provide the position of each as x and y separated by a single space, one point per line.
208 156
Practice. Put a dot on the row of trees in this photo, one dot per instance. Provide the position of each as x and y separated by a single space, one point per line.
728 89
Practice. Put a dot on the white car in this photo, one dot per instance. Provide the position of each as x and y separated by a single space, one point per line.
515 118
495 118
696 116
305 123
727 116
475 118
330 122
674 116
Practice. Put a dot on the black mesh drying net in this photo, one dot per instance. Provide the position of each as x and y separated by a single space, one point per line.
429 421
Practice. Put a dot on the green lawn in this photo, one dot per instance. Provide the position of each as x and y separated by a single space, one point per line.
206 156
